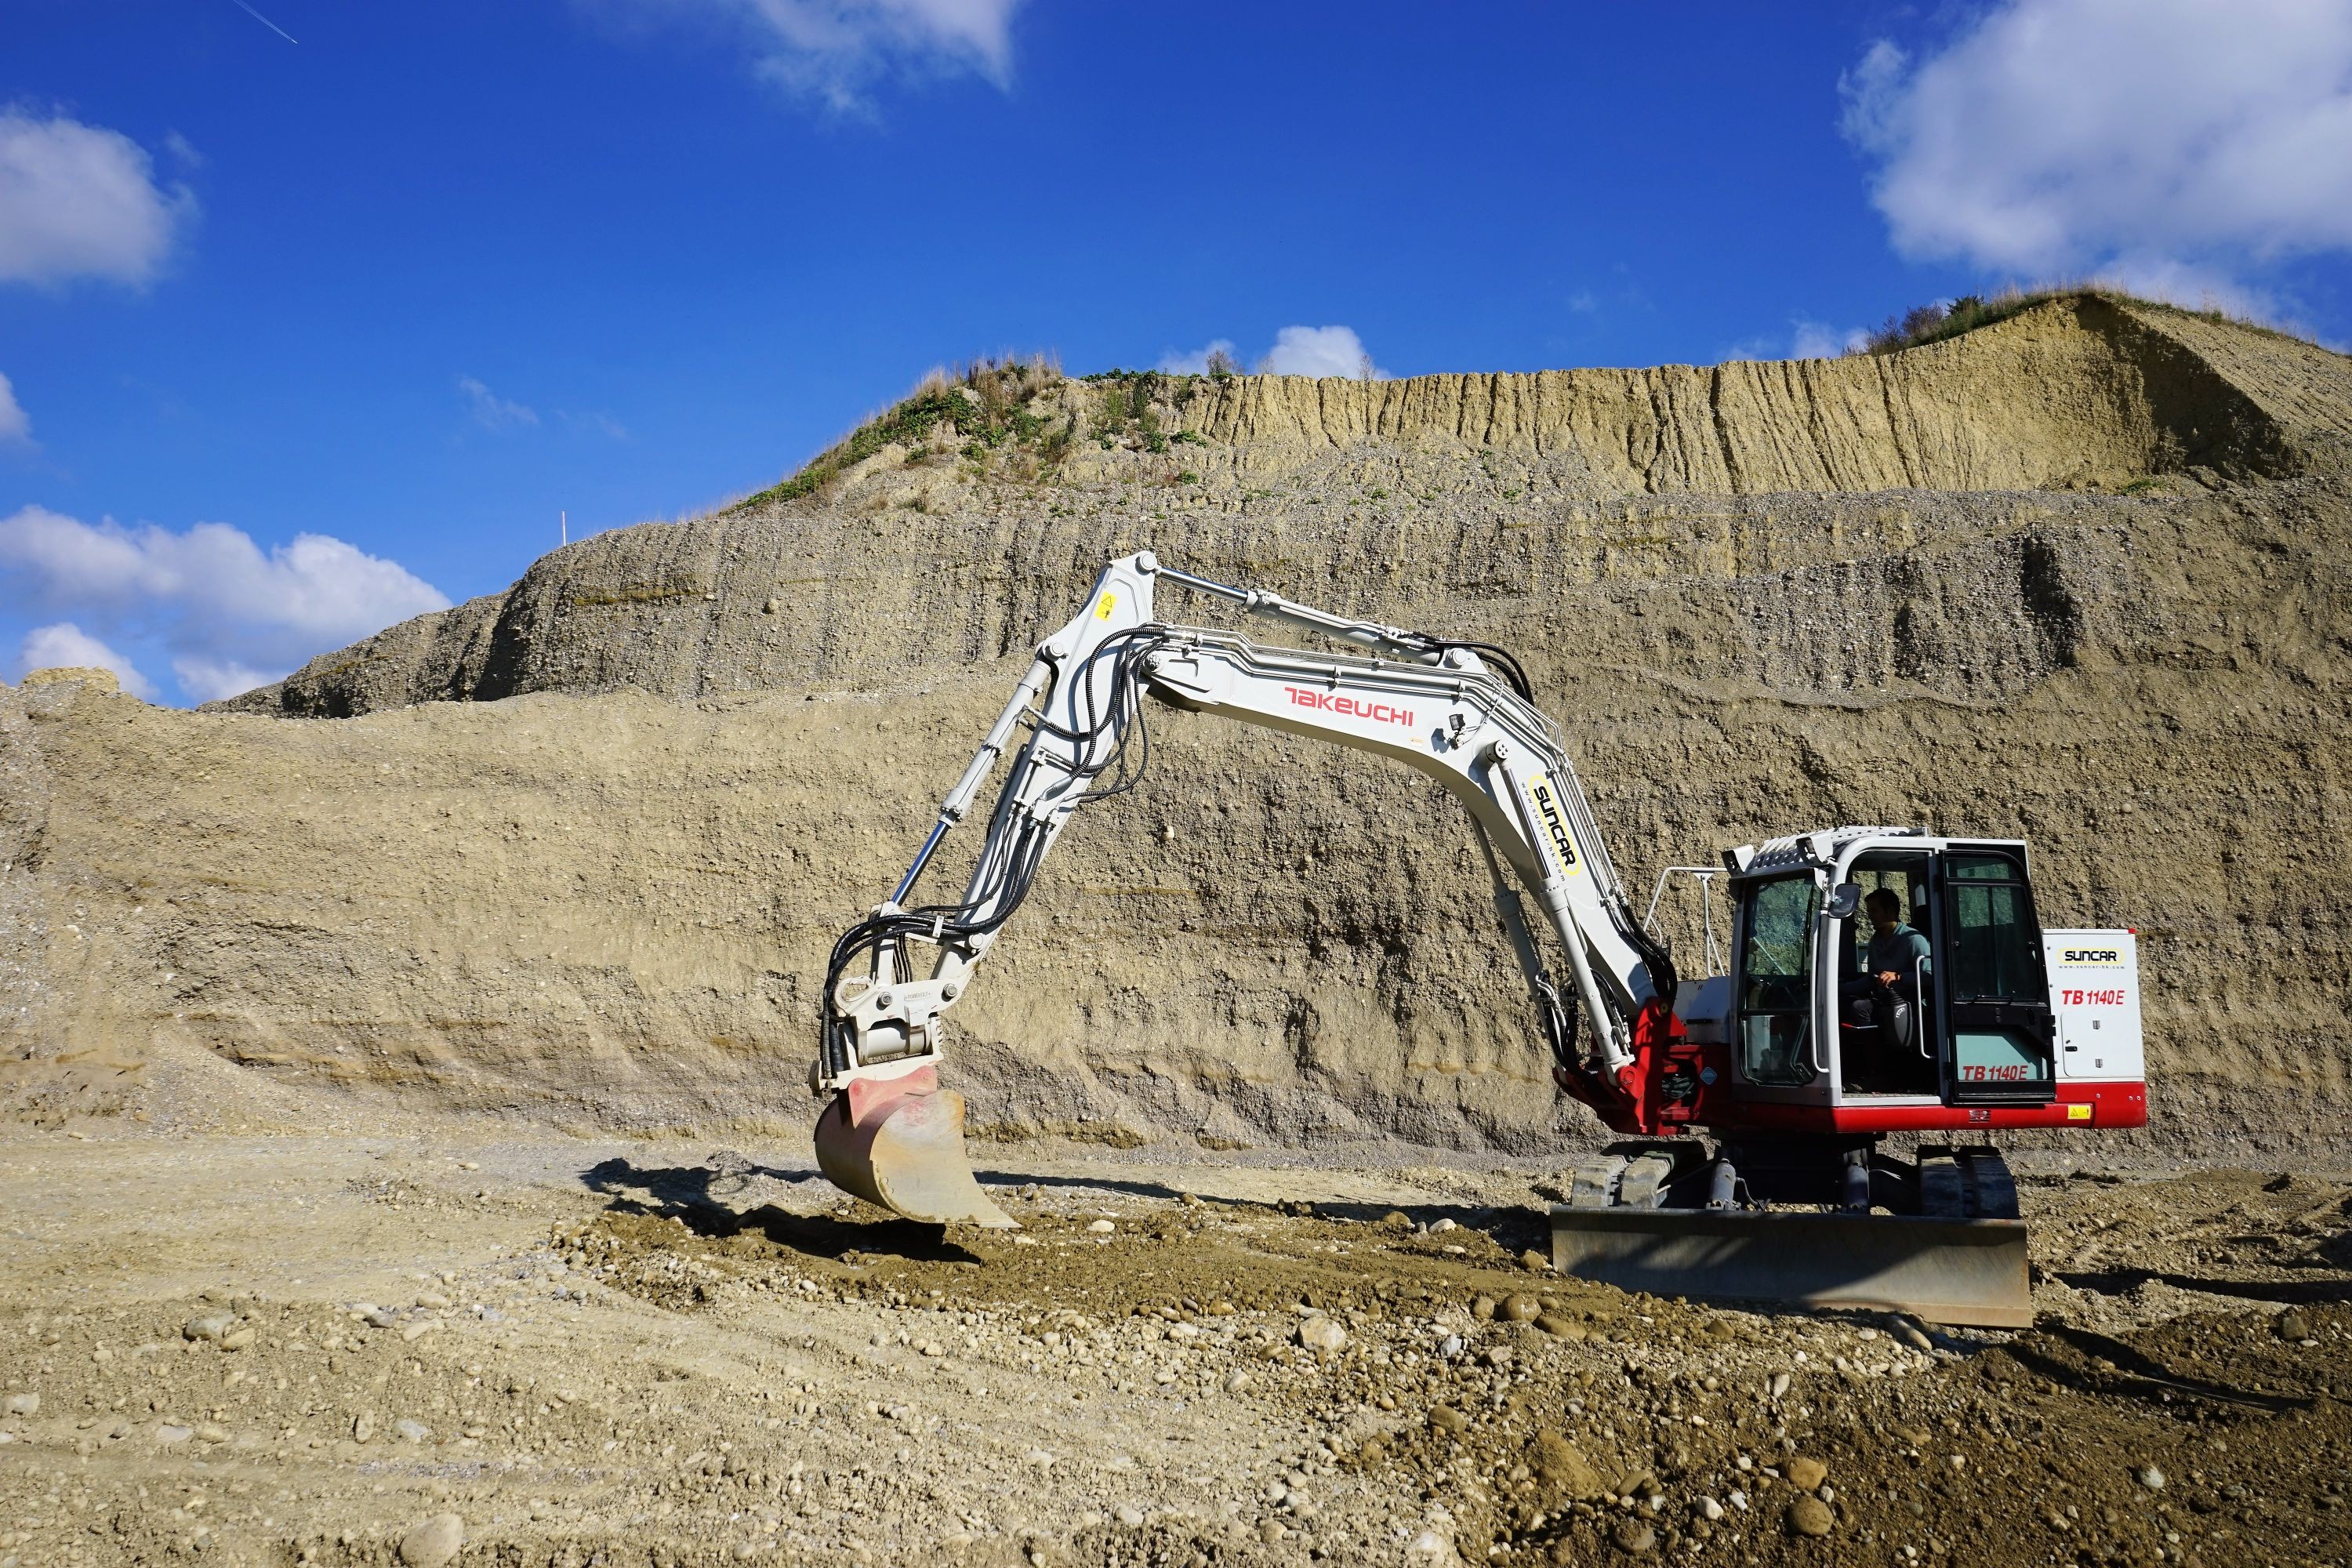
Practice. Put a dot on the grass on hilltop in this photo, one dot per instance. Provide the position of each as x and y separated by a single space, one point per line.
1941 319
986 401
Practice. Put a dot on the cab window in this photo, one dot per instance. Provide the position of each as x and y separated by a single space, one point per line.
1776 980
1994 942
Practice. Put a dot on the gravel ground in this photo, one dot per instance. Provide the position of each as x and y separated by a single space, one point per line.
310 1348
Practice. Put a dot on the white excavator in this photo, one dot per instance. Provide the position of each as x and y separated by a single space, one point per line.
1882 980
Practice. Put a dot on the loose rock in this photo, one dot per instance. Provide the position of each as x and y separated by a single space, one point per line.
1633 1537
434 1543
1521 1308
1805 1475
23 1404
363 1427
208 1326
1564 1468
1322 1332
1811 1516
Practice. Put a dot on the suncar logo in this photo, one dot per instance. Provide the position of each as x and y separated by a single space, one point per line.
2104 956
1555 825
1348 706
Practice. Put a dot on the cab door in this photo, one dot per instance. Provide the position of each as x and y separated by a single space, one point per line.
1999 1037
1778 938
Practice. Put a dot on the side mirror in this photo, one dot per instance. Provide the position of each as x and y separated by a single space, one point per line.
1844 899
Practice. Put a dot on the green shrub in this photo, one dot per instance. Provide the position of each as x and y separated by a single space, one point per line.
987 401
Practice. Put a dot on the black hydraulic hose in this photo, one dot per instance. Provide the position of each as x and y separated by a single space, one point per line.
1009 864
1514 674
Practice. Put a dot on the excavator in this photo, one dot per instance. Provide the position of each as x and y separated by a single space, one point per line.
1809 1123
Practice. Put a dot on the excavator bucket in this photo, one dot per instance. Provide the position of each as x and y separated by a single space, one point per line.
1964 1271
899 1144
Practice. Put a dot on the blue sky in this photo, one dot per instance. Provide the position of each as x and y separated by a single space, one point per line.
299 338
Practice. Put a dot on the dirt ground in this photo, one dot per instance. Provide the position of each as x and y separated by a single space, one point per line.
303 1346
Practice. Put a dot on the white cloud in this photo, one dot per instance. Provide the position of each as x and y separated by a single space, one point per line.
79 201
210 679
1819 340
1807 339
211 594
836 51
2121 135
14 425
1296 350
1320 350
66 646
2195 284
492 412
1195 362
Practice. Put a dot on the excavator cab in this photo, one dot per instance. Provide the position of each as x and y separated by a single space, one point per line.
1883 981
1904 972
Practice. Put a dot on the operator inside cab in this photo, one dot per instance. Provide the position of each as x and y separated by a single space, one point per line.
1885 995
1898 956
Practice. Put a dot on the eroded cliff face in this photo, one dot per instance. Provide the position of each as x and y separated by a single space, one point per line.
2079 576
1368 491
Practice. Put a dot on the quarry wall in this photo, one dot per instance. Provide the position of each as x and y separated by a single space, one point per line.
577 850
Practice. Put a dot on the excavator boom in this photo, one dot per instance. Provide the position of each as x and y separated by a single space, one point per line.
894 1137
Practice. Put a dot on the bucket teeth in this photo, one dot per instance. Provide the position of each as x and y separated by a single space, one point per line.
899 1146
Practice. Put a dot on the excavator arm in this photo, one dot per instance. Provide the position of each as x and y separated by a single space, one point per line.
1458 711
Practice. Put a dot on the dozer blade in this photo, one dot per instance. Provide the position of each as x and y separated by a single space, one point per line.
1968 1271
899 1144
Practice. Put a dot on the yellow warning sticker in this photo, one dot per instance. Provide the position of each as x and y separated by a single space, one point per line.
1109 603
1553 817
2078 1113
